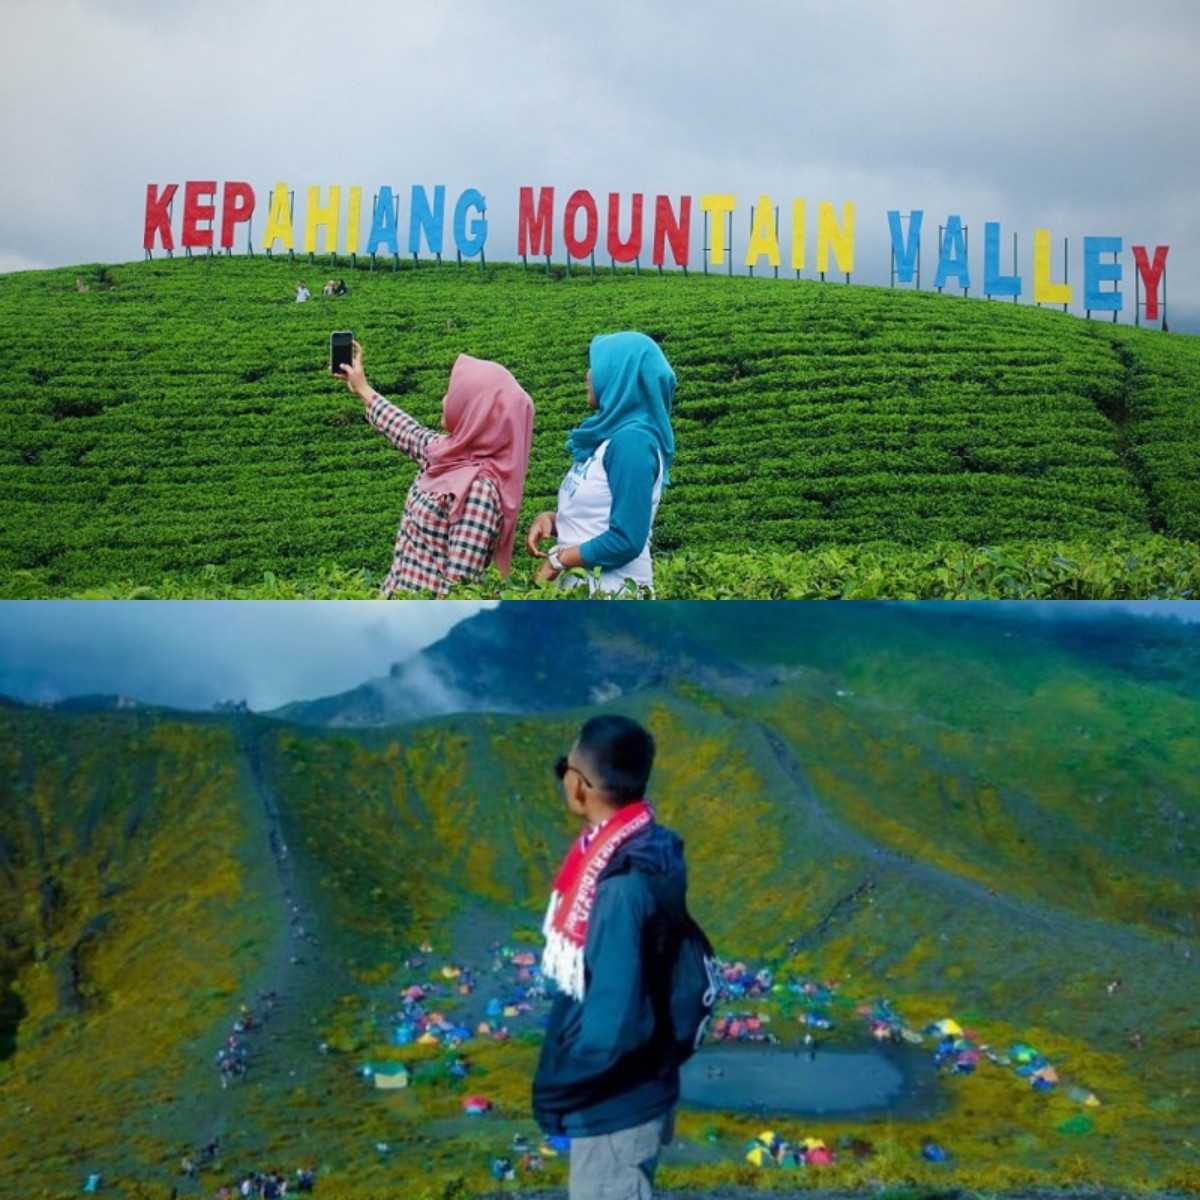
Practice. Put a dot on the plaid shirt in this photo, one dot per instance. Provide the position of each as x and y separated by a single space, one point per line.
430 551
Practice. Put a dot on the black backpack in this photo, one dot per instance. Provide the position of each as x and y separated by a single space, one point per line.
694 983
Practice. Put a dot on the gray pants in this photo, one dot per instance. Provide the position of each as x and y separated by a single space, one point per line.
621 1165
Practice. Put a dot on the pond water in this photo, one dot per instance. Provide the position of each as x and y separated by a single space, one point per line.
877 1080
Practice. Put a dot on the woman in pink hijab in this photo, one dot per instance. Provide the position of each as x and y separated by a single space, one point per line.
461 511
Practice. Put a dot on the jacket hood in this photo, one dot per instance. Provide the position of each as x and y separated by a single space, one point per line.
655 851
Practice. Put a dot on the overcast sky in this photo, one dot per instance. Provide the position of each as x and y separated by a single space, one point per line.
194 653
1080 116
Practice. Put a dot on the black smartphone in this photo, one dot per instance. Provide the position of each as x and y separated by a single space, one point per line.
341 352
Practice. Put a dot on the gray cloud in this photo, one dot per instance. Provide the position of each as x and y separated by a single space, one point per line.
192 654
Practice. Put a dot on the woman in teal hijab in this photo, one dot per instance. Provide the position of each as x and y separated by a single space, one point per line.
621 462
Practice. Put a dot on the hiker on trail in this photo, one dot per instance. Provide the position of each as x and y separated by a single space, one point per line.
461 511
622 460
608 1076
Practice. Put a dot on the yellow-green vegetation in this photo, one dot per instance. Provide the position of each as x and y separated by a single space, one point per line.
904 813
135 913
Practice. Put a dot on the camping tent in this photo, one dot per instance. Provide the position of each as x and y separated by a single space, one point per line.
388 1075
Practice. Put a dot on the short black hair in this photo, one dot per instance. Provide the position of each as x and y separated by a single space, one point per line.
622 753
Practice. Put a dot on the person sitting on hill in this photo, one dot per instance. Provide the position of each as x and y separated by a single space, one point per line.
339 288
461 512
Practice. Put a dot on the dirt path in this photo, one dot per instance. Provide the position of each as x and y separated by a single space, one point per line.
886 864
286 998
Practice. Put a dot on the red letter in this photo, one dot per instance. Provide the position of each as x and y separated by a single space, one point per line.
1151 275
619 251
237 206
667 229
194 212
581 247
158 219
534 228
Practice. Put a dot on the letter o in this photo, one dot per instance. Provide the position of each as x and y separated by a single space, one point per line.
581 247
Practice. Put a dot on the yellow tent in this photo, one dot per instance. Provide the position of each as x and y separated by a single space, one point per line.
950 1027
398 1079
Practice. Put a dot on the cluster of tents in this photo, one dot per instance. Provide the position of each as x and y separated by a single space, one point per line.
770 1150
419 1020
958 1050
741 1027
740 981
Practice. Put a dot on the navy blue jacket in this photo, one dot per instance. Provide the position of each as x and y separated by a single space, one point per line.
608 1062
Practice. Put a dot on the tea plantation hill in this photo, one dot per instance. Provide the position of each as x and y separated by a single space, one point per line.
173 428
963 818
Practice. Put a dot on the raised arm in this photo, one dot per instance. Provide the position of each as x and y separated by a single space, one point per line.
404 432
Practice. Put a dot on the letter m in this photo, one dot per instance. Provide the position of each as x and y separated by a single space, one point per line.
535 226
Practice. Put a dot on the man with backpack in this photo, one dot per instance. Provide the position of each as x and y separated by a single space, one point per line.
608 1076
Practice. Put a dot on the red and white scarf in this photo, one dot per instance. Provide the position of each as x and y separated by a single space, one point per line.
574 891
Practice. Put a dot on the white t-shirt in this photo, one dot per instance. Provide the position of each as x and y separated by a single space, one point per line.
585 512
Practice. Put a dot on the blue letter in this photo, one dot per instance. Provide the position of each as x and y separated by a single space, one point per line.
1096 272
906 255
383 223
995 284
423 219
952 259
472 243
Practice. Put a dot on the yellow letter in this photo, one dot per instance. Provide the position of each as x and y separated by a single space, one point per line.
830 237
763 238
352 218
316 217
799 220
279 219
1045 292
718 206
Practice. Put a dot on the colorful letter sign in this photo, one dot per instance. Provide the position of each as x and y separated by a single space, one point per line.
1151 274
620 226
1097 272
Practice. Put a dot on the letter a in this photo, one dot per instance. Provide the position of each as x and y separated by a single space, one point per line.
279 220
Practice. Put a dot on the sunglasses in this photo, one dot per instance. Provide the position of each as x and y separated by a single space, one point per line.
562 766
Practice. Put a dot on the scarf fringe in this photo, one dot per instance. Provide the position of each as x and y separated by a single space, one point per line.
562 959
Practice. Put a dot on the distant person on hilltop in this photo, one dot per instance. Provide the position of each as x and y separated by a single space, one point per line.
622 458
461 511
608 1076
301 292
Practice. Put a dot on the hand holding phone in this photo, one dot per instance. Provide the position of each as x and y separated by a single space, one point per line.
341 351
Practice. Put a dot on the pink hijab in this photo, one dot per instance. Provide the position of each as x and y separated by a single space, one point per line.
489 426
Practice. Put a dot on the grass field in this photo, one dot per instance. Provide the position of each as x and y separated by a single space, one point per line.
174 428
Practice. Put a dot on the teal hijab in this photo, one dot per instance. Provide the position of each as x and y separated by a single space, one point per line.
634 386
